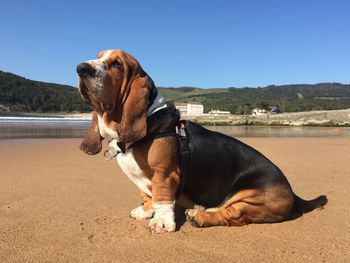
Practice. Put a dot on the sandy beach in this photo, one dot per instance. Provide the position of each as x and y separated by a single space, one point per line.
60 205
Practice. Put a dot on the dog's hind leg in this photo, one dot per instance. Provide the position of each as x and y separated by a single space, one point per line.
245 207
222 217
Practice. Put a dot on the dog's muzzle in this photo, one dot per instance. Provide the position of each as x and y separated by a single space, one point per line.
85 70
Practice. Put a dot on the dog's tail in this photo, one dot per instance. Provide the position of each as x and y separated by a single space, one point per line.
301 206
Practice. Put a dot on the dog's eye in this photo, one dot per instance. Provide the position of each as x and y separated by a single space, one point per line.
116 64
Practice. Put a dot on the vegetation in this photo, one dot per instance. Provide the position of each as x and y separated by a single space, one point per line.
20 94
186 93
290 98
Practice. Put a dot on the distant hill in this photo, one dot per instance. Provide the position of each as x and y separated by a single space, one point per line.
290 98
21 94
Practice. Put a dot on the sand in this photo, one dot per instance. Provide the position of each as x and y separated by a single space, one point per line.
60 205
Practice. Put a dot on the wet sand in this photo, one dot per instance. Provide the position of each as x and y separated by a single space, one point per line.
60 205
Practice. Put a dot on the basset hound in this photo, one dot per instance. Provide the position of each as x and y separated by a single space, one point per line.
228 183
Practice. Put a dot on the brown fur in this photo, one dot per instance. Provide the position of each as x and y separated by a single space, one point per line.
92 141
159 161
147 201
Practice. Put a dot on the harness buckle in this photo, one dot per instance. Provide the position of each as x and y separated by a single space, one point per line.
181 131
109 155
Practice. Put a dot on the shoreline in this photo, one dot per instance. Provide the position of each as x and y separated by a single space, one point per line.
332 118
78 129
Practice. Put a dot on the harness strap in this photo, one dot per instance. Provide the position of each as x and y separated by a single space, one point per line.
152 137
185 156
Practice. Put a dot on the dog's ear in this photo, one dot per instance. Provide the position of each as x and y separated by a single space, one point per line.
92 143
133 125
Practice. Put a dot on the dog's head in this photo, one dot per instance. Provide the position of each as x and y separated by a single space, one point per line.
118 90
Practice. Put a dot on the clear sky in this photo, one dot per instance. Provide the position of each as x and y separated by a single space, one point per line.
195 43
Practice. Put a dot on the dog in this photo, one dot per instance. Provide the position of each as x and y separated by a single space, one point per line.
227 182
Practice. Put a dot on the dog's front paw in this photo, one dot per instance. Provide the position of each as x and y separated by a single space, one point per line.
163 220
139 213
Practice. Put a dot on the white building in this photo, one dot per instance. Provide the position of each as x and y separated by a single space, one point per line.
189 108
219 112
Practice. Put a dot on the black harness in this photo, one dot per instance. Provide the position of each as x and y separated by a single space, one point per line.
184 156
152 137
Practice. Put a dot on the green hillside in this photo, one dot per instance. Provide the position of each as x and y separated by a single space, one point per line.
290 98
20 94
183 93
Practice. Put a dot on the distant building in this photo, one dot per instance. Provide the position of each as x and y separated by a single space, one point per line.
189 108
219 112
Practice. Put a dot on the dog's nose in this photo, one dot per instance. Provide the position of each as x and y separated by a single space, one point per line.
84 70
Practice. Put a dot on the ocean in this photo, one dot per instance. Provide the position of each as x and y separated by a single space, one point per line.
13 127
43 127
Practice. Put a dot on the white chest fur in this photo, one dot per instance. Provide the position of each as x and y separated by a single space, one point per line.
129 166
125 160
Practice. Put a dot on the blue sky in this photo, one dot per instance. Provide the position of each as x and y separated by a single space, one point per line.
197 43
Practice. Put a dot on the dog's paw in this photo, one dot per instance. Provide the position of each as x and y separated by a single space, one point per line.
191 216
139 213
163 220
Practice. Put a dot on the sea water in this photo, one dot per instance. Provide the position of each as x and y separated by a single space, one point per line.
76 127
